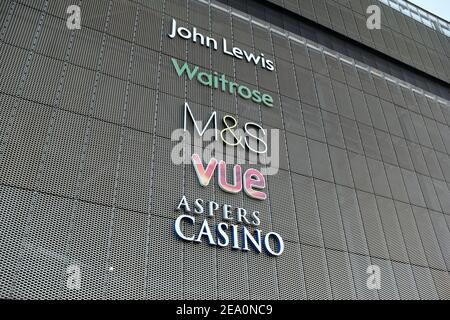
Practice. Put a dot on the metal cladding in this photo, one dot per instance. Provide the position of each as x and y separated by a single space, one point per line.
92 205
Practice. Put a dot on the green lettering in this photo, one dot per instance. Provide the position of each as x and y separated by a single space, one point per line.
204 78
244 92
267 100
184 69
256 96
220 82
232 86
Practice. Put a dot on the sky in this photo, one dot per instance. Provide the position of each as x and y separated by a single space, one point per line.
441 8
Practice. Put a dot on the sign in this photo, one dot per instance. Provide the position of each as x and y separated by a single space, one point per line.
235 229
243 141
213 80
239 227
236 52
226 233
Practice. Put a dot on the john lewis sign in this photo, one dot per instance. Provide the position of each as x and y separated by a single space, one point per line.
236 52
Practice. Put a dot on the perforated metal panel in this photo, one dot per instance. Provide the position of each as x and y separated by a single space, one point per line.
87 181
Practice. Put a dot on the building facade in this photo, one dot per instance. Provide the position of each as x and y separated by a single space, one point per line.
358 206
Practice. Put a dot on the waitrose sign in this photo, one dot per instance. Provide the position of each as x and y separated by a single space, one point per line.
214 80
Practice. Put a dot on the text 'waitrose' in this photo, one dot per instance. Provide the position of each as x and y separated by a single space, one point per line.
215 81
